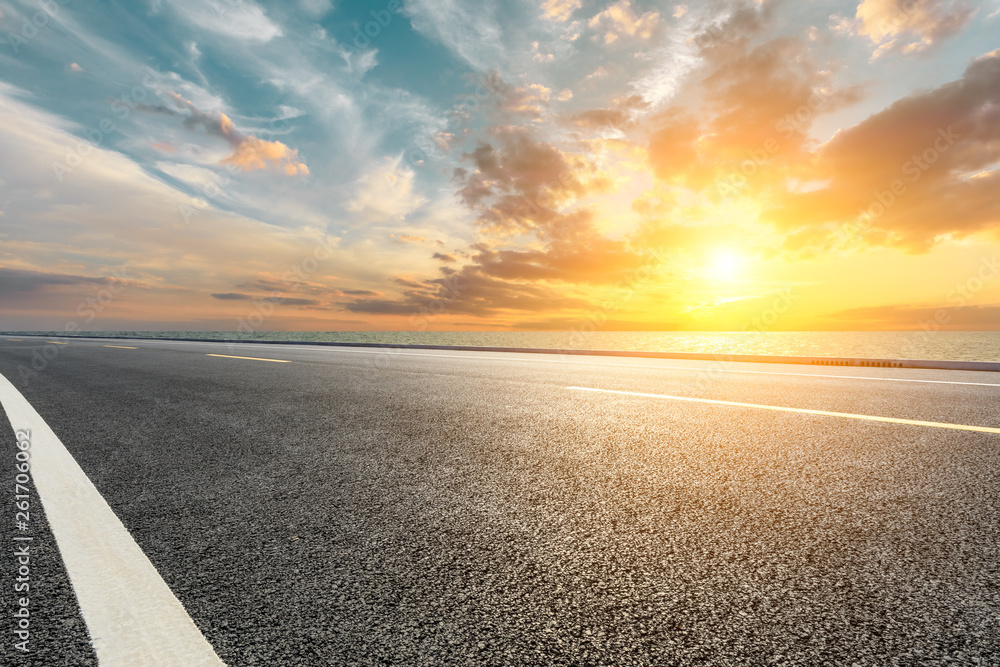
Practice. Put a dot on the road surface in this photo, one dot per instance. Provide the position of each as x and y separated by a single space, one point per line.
324 505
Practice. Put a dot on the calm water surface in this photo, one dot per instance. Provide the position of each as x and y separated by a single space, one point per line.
944 345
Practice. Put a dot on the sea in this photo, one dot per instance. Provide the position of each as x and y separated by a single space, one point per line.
936 345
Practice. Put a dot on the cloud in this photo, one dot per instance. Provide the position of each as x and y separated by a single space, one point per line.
316 8
253 153
528 102
560 10
169 86
290 301
469 292
470 30
515 185
539 55
386 192
75 68
620 19
53 262
231 296
276 291
599 73
758 104
164 146
22 280
581 256
249 152
277 286
673 148
413 284
618 116
243 20
444 257
910 26
923 168
527 186
750 95
699 36
407 238
673 63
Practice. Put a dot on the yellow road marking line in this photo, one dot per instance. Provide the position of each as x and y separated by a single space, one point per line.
56 342
16 339
805 411
230 356
122 347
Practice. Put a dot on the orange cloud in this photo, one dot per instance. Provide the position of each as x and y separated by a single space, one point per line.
921 169
598 73
540 55
560 10
574 253
470 292
673 149
618 116
405 238
517 185
910 26
528 101
249 152
620 19
759 105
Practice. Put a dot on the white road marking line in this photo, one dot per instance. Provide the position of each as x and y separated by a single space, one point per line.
825 413
132 616
122 347
230 356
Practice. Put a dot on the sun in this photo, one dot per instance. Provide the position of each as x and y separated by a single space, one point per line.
724 264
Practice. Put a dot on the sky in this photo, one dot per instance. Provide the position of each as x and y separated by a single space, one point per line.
547 165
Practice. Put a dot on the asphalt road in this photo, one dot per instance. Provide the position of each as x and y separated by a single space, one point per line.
359 507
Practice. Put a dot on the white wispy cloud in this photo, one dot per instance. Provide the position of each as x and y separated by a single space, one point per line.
672 63
470 30
244 20
386 192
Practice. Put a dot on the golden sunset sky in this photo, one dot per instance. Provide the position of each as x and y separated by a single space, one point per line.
317 165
